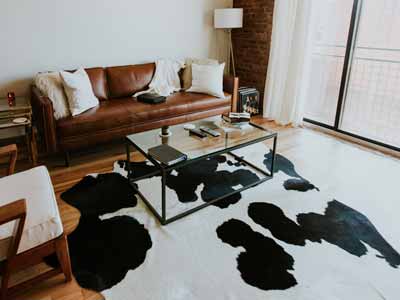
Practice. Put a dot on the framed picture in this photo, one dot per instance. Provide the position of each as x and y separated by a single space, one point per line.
249 100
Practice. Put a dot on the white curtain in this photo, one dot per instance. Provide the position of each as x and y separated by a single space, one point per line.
288 62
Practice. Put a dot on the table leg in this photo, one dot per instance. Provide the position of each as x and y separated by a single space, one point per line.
34 152
28 138
273 156
163 196
128 159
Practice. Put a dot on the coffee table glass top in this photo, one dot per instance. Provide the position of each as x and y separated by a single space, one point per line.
195 147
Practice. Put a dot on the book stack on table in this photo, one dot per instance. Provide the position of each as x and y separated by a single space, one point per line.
236 118
167 155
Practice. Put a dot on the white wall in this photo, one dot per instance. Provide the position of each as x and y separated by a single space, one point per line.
65 34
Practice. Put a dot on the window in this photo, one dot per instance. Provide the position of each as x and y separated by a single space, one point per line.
355 72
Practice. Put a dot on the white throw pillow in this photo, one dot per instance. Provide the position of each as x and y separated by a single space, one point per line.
51 86
79 91
187 72
208 80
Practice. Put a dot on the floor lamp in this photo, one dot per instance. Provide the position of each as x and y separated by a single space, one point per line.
228 19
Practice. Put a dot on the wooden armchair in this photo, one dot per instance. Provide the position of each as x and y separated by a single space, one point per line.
30 228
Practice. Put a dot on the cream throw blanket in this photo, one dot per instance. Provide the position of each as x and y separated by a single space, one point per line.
166 79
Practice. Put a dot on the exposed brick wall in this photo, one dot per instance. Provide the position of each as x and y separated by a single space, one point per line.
252 42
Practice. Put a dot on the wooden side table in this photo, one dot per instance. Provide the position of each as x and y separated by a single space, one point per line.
22 109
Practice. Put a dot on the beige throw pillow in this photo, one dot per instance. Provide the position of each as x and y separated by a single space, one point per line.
208 80
79 91
187 72
50 85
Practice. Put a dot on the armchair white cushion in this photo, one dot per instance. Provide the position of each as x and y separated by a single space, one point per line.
43 222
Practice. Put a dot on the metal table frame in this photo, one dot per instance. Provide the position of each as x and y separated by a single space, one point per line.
163 170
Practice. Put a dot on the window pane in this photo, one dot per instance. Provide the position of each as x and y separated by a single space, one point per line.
372 105
330 27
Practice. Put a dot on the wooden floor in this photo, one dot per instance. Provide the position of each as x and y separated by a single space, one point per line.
101 160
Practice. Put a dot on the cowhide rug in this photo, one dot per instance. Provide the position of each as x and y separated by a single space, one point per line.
308 233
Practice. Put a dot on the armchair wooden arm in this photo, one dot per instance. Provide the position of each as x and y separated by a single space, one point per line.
11 151
14 211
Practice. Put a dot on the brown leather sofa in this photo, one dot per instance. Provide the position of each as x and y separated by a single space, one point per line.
119 114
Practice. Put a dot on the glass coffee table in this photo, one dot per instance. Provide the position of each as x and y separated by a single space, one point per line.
197 149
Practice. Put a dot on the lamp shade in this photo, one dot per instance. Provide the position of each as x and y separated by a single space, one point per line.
228 18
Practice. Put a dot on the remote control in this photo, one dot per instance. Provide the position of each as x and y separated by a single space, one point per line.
189 126
197 133
210 131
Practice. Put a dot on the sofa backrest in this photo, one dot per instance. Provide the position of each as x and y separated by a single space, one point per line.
98 80
122 81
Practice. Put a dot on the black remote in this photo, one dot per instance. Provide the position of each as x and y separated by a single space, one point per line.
210 131
197 133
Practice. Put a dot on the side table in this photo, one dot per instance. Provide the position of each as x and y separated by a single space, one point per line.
22 109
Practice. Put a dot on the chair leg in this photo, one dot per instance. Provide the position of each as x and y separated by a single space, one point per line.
63 257
4 282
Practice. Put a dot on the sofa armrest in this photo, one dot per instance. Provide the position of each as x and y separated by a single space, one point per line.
43 115
231 86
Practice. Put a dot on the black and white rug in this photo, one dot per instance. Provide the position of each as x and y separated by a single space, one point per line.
288 238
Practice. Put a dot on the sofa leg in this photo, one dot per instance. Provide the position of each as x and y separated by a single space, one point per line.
67 158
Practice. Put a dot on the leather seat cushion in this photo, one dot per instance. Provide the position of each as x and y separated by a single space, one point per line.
43 222
106 116
123 112
176 105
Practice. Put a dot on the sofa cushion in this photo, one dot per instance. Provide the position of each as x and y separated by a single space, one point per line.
50 85
177 104
126 112
106 116
125 81
43 222
79 91
208 79
98 79
187 71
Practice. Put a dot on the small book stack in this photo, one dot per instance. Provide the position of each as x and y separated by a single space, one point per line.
151 98
167 155
236 118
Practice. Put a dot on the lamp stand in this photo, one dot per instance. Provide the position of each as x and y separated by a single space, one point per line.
231 55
